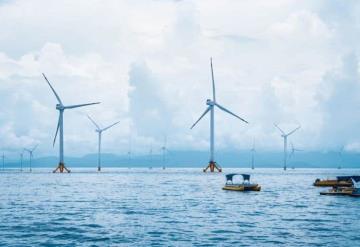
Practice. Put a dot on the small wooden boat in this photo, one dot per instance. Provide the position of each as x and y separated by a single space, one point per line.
244 186
340 181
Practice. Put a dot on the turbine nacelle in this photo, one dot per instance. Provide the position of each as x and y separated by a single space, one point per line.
209 102
60 107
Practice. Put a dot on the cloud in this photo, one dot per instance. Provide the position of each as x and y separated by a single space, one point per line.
340 95
149 112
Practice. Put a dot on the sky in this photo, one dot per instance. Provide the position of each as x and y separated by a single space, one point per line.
148 63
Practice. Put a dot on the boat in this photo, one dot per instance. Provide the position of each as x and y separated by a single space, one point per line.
340 181
244 186
354 190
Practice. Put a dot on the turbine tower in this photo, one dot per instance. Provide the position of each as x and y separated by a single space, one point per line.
211 103
60 127
285 136
253 151
30 151
99 131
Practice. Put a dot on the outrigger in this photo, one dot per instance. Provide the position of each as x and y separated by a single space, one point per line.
244 186
340 181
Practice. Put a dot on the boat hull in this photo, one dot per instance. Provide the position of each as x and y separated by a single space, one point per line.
338 192
332 183
241 187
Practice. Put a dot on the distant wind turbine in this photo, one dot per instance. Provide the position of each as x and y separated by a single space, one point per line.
99 131
293 150
60 126
164 150
3 161
130 151
30 151
253 151
151 154
285 136
211 107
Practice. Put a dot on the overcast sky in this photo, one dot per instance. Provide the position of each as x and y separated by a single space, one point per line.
289 62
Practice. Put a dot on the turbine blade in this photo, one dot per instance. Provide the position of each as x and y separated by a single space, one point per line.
57 130
97 126
294 130
56 95
226 110
34 147
110 126
279 128
206 111
81 105
213 80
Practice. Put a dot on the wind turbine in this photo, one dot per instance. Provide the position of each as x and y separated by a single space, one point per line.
293 150
285 136
253 151
211 107
151 156
99 131
60 126
164 150
130 151
3 161
30 155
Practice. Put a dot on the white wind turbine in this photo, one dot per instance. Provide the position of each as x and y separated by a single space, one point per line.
293 150
30 151
60 126
164 150
211 107
151 156
285 136
130 151
99 131
253 151
3 161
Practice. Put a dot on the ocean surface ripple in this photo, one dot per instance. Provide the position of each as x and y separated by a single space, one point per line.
173 207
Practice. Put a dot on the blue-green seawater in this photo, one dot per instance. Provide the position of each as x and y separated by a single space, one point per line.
173 207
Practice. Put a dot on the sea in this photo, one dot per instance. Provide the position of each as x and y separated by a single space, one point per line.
173 207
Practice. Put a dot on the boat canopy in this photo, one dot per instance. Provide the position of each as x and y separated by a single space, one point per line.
347 178
229 177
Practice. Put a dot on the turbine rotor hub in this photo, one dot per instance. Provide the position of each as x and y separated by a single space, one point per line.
59 107
210 102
